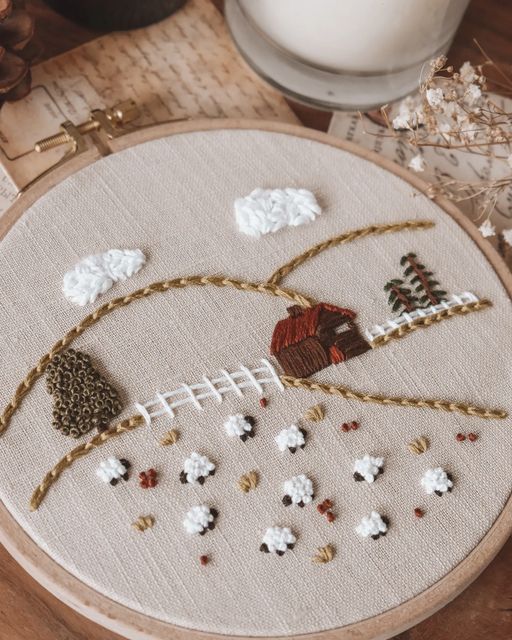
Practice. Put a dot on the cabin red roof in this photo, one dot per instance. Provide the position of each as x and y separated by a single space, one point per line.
302 324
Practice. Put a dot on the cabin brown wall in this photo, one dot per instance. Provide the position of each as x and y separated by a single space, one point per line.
303 359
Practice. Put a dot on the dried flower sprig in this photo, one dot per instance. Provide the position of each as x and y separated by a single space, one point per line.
453 111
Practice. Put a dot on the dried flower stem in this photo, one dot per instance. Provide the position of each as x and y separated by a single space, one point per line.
454 112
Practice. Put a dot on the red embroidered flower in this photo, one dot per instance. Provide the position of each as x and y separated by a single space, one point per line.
325 509
324 506
148 479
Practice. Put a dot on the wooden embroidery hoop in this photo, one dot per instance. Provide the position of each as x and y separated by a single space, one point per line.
137 626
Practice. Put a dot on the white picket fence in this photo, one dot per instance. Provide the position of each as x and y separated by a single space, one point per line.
407 318
165 404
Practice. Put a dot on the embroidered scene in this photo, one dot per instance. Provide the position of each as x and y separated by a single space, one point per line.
312 336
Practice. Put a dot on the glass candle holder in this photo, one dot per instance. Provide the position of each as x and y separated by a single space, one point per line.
112 15
343 54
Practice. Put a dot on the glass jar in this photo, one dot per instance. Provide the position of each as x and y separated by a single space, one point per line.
343 54
112 15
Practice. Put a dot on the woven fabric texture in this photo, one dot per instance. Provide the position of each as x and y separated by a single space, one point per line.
173 199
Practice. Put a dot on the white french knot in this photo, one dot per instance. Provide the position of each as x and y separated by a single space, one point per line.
268 210
237 425
96 274
436 480
197 466
278 539
299 489
372 525
368 467
111 469
198 519
290 437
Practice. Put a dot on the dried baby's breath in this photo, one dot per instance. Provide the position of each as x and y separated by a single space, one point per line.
453 111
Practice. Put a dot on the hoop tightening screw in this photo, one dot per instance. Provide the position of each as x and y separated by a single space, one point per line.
63 137
118 116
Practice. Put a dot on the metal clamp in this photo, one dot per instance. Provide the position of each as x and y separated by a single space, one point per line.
113 122
107 123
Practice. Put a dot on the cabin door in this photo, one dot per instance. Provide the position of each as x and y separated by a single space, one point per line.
349 341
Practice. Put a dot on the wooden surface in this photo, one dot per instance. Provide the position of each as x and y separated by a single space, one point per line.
483 611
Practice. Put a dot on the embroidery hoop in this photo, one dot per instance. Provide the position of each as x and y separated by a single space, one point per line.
135 625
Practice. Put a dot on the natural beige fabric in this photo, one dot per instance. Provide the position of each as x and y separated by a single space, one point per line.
174 199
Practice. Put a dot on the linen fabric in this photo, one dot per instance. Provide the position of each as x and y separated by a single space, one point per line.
173 199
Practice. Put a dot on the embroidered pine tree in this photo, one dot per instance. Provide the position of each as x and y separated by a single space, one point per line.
82 398
400 297
423 281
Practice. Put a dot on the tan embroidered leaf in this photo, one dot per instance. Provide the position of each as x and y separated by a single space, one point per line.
171 437
418 446
143 522
315 413
324 555
248 481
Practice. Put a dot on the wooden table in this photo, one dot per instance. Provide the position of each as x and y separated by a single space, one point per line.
482 612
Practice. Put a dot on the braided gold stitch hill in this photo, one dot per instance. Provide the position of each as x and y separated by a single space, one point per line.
289 382
125 426
269 287
157 287
345 238
428 321
349 394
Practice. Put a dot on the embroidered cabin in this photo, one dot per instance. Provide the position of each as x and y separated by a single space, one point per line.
310 340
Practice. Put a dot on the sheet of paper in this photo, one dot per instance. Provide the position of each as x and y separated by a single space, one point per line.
183 67
440 164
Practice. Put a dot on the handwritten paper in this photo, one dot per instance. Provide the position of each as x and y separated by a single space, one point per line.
183 67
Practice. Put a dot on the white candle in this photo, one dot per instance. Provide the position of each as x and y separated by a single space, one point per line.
358 36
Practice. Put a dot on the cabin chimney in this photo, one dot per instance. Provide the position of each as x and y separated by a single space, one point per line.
295 311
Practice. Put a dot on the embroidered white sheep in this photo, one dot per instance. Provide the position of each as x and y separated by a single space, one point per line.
368 468
298 490
200 519
373 526
291 438
277 540
437 481
96 274
196 468
241 426
112 470
268 210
